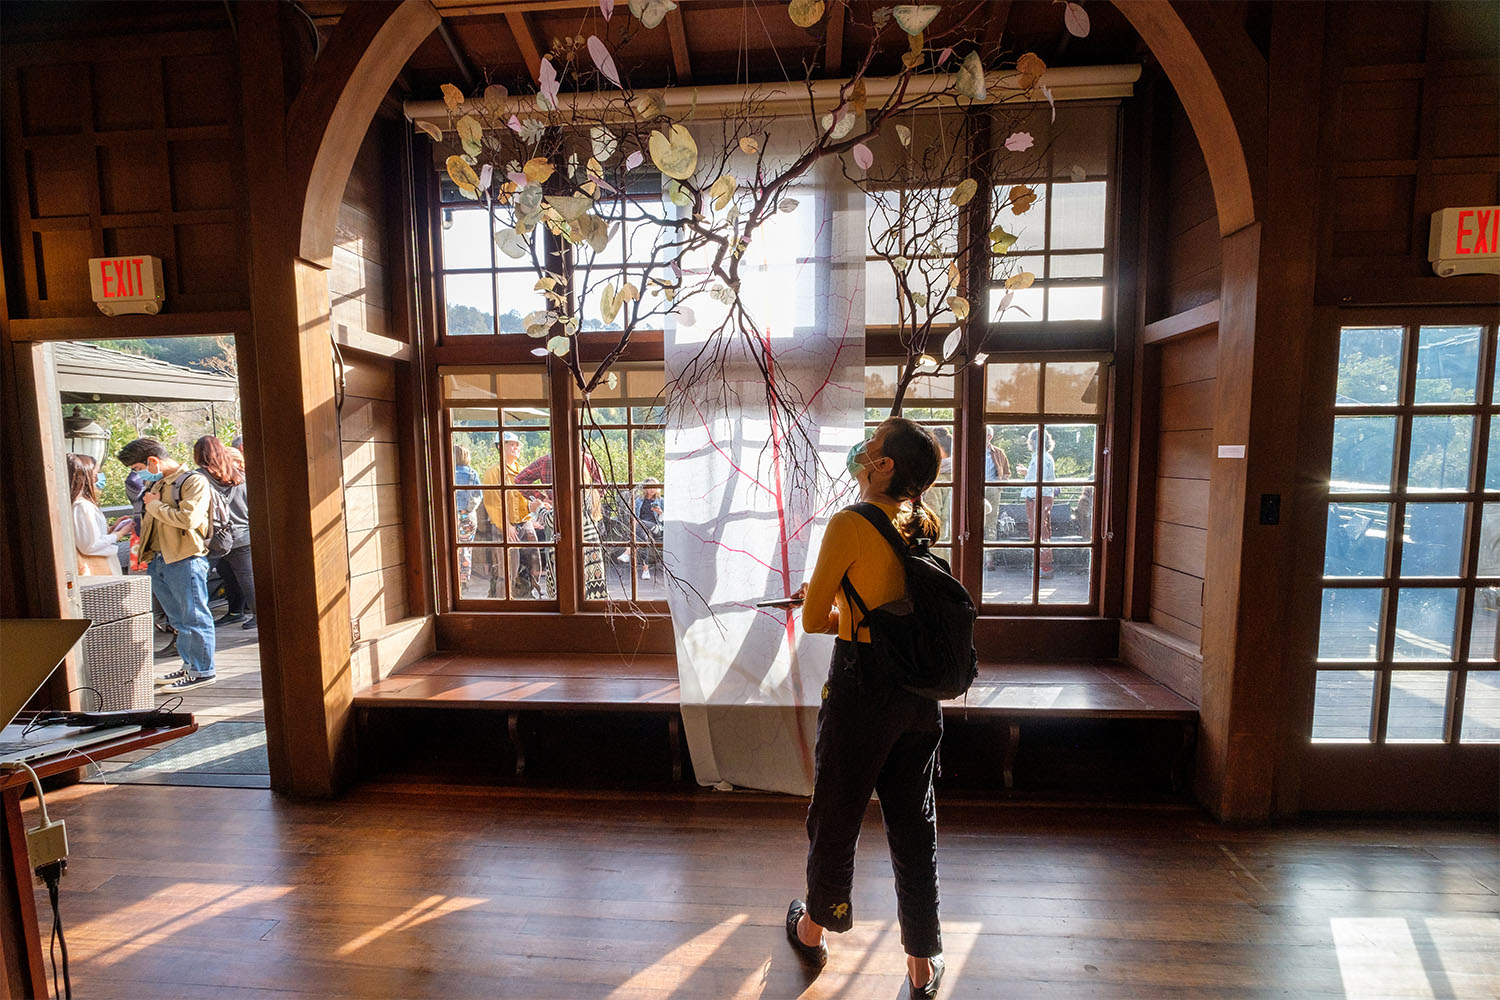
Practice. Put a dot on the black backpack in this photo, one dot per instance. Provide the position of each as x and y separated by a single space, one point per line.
220 527
926 640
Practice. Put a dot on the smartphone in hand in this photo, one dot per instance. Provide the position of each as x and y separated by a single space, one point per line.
780 602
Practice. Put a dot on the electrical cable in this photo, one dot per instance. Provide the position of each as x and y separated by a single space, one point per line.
50 873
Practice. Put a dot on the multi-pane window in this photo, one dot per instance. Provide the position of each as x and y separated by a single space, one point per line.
622 487
930 401
1040 463
921 227
1411 563
502 538
484 291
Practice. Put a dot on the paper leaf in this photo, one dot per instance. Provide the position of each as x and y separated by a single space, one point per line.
686 316
862 156
1029 69
912 57
515 125
678 195
495 95
559 346
787 205
943 55
1017 282
471 133
953 273
964 193
538 169
604 142
649 105
675 153
634 159
914 18
607 8
517 178
970 79
1078 173
599 52
1021 199
486 174
540 352
571 207
1077 20
920 298
904 134
531 130
960 307
430 129
547 84
537 324
1000 240
838 123
512 243
927 363
900 264
651 12
749 146
463 175
806 13
452 97
1019 142
722 191
1051 100
612 380
954 340
628 293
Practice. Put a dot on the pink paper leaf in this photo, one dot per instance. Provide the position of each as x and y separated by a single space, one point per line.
1077 20
943 56
606 185
486 174
1047 93
514 124
518 179
863 156
599 52
1019 142
608 8
548 83
634 159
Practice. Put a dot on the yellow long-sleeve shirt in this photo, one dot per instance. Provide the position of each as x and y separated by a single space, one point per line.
852 545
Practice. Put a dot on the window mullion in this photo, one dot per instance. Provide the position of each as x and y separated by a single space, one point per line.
566 446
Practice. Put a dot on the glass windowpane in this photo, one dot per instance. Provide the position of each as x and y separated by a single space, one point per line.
1012 387
1007 576
1492 463
1073 514
1082 265
1433 542
466 238
1364 450
1447 364
1418 705
480 572
1065 576
1484 637
1481 721
1025 305
1078 217
1342 705
1075 302
1356 539
470 301
517 297
1350 625
531 574
1439 453
1369 366
1426 623
1074 386
604 576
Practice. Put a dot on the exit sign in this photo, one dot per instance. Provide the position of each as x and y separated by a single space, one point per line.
126 284
1465 241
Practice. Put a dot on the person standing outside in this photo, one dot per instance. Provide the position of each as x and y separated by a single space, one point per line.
1039 508
228 477
174 546
873 734
996 470
512 511
98 546
465 502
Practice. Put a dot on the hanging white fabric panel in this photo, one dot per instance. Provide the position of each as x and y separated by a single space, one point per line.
751 488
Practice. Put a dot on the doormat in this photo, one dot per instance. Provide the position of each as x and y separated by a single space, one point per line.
221 753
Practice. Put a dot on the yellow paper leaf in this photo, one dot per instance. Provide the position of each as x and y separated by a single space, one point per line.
749 146
722 191
953 272
464 176
608 307
912 58
806 13
628 293
1021 199
1000 240
435 133
904 134
675 153
1016 282
959 305
452 97
537 170
1029 69
964 193
471 133
570 207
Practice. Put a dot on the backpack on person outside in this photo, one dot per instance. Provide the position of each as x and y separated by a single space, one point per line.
220 527
925 640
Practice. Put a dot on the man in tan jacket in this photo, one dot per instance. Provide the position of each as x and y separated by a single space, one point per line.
174 546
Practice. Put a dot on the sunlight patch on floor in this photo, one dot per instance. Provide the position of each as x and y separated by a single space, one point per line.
431 908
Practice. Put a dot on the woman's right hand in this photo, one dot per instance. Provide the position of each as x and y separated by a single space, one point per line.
800 594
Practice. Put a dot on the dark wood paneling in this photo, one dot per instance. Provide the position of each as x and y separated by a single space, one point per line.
1191 359
1191 262
1165 657
365 419
1177 594
1182 501
368 463
1181 547
1192 634
1186 454
1188 406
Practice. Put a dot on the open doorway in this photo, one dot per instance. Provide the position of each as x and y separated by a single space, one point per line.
176 391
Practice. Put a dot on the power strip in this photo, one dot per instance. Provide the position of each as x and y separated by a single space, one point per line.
48 843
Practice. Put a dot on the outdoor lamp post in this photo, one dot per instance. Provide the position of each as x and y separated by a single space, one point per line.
84 437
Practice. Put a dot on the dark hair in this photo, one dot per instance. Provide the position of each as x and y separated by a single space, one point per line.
141 449
944 440
82 471
914 452
211 456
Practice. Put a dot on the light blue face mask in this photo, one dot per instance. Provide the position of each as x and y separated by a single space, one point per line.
149 477
853 462
99 481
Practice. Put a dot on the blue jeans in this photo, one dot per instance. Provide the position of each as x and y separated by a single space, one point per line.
182 589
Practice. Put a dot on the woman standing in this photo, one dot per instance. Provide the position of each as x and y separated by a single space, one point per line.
873 734
98 546
228 477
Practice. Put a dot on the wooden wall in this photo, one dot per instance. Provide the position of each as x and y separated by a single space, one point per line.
124 146
1190 274
1184 444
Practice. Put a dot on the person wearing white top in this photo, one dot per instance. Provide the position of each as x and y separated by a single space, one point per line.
98 546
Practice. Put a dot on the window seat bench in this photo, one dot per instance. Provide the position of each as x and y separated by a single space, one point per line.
1010 694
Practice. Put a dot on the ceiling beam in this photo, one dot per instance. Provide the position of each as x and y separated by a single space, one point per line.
526 41
677 32
833 56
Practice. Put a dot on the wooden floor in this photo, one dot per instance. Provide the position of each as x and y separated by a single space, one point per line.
412 891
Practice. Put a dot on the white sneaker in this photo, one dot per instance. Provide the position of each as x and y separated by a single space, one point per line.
645 572
623 557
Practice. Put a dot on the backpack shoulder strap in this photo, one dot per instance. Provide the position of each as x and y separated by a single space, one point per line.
882 524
